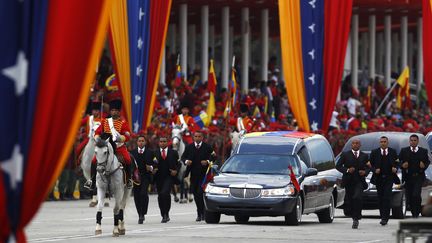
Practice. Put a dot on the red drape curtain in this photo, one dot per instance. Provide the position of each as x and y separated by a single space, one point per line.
159 16
337 20
427 48
74 39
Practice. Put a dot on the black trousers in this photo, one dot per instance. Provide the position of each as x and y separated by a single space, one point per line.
164 186
198 193
413 193
141 197
354 199
384 189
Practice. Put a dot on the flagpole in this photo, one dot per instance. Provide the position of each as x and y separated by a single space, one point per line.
385 98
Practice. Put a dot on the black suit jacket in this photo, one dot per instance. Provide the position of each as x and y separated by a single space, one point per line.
164 165
142 160
348 160
413 159
205 152
385 164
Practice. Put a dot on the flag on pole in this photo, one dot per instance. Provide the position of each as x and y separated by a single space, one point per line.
233 87
403 95
294 179
211 85
178 80
208 176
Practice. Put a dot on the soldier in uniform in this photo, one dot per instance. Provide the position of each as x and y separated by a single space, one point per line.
119 132
415 161
197 157
244 123
91 123
186 123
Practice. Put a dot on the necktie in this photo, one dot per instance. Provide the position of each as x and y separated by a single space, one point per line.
198 146
356 154
141 151
412 149
163 154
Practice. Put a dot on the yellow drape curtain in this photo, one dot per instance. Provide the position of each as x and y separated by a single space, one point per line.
292 64
118 23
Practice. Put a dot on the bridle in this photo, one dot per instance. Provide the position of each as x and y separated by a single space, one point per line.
104 172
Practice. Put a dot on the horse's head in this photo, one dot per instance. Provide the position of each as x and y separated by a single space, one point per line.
176 137
103 154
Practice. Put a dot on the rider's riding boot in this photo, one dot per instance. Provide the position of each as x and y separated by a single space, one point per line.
129 183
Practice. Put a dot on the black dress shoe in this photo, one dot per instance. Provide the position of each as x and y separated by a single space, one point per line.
198 219
164 220
383 222
355 224
141 220
167 218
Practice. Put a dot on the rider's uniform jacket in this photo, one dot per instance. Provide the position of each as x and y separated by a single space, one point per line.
121 127
244 123
91 124
188 125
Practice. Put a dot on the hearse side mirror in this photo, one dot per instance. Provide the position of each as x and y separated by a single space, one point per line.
311 172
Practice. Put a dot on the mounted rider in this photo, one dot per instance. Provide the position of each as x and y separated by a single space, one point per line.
244 123
187 124
91 123
119 132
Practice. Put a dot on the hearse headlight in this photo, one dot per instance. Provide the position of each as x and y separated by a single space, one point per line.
277 192
217 190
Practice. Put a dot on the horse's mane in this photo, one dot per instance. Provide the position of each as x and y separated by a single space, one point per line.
100 143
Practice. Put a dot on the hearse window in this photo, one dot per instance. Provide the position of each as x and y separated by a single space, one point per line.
304 156
321 154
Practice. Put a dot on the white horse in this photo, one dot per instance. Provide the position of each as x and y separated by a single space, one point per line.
110 178
87 157
235 137
179 146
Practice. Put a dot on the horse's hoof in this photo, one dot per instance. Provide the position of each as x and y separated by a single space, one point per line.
115 234
92 204
122 231
98 232
106 204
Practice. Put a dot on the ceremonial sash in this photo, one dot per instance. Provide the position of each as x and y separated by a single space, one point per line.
183 122
93 125
114 132
240 125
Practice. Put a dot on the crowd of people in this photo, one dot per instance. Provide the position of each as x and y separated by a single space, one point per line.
264 107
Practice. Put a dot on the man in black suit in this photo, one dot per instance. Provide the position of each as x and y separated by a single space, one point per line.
384 164
167 164
415 161
142 156
197 156
354 164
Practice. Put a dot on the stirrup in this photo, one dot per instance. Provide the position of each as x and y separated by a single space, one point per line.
89 185
129 184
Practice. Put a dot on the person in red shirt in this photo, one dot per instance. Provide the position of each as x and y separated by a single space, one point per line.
118 130
91 123
187 124
244 123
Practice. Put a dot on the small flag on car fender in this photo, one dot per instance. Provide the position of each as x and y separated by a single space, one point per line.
294 179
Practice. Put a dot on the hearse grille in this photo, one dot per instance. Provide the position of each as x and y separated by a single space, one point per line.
245 192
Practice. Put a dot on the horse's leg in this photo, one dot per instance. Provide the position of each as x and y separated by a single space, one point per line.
101 195
123 203
117 189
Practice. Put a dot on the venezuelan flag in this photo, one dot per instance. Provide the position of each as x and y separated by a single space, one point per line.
138 31
314 36
201 119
